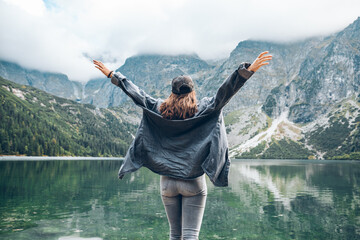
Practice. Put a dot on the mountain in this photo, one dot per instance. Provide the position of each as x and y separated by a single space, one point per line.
334 135
151 72
304 104
328 74
284 67
55 83
313 114
34 122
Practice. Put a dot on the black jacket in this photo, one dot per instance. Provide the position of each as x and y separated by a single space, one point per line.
182 148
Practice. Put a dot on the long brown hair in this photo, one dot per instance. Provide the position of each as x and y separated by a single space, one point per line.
178 107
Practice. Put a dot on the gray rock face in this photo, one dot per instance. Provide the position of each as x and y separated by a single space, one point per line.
329 73
316 110
284 67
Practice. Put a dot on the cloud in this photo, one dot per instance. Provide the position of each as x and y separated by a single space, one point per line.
63 36
33 7
35 40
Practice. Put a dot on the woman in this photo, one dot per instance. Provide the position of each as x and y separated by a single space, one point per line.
181 138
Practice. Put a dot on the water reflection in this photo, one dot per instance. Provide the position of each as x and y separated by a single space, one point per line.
311 197
265 200
283 187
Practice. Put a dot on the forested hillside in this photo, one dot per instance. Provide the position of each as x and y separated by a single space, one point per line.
36 123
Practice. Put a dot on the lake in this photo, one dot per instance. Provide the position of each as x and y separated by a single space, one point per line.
266 199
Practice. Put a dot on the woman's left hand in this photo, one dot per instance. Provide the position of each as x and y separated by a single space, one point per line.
99 65
260 61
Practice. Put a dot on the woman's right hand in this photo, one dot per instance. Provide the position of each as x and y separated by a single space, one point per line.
260 61
99 65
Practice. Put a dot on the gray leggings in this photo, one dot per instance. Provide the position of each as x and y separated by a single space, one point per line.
184 202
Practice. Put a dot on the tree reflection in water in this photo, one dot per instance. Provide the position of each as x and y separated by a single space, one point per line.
272 199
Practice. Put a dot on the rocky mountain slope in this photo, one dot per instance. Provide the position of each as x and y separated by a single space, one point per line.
314 112
54 83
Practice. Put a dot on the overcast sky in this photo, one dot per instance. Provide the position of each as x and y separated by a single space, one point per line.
64 35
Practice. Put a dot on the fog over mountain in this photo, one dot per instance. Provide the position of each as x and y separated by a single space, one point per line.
63 36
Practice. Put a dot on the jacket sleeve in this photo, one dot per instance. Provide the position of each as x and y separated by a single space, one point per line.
231 86
139 96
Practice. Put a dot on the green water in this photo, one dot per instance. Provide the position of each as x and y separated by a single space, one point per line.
270 199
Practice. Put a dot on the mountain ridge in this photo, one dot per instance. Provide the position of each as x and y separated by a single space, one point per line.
306 95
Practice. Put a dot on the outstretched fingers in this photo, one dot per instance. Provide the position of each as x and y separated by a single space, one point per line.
98 63
262 64
264 58
261 60
262 54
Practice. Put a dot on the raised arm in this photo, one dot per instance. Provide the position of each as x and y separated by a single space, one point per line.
237 79
231 86
140 97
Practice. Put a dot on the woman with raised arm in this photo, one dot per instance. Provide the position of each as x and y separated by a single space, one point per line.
180 139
